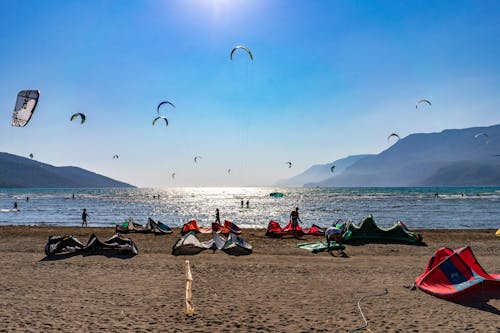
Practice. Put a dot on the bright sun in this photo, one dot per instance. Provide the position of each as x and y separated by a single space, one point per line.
222 7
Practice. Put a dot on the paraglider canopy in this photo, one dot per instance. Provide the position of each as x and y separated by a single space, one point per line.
393 135
164 103
242 47
289 164
161 117
78 114
25 106
115 156
482 134
422 101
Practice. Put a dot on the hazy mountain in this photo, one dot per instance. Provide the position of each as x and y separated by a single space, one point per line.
465 173
449 158
17 171
319 172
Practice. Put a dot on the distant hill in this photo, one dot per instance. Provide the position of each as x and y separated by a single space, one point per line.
465 173
449 158
17 171
320 172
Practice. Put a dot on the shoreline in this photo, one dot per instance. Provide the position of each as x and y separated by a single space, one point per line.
278 288
177 229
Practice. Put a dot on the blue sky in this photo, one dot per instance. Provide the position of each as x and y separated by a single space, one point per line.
329 79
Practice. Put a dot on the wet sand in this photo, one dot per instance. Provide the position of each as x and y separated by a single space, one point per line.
278 288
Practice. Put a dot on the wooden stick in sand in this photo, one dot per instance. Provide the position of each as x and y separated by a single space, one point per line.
189 293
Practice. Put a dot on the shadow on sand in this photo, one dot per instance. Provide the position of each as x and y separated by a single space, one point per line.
361 242
60 256
87 254
480 302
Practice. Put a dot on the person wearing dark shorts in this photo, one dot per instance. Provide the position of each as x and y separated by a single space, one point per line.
295 219
217 217
84 217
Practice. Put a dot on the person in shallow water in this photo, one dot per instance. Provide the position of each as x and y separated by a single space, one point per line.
15 204
217 216
84 217
294 217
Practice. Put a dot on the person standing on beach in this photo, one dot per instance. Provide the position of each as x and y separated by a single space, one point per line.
217 217
84 217
248 203
242 203
294 217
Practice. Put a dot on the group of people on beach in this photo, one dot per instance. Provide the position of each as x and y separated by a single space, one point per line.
332 234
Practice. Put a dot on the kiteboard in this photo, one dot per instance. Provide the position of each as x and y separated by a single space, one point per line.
316 247
3 210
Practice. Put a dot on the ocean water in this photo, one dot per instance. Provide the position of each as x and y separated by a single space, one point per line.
454 208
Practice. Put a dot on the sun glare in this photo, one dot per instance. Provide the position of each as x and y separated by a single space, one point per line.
226 4
220 8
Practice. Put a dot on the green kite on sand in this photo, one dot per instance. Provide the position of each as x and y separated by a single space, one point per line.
316 247
368 230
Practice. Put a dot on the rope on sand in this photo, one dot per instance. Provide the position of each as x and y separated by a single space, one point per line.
361 311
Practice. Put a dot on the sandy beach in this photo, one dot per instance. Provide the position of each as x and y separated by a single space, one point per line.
278 288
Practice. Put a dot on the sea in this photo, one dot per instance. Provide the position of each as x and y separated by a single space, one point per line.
417 207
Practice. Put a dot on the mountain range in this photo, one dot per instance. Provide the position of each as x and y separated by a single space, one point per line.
17 171
453 157
320 172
